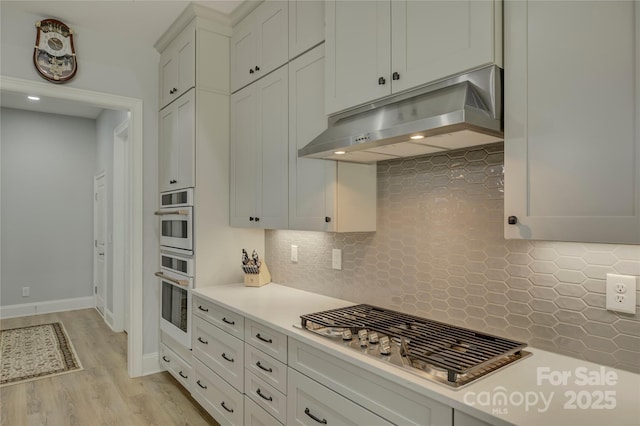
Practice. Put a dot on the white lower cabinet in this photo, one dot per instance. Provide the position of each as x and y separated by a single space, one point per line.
310 403
223 353
175 365
267 368
266 396
384 397
463 419
216 396
256 416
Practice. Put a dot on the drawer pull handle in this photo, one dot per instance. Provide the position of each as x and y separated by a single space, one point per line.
308 413
266 398
165 359
226 408
204 342
260 366
225 320
203 309
182 375
258 336
224 355
200 384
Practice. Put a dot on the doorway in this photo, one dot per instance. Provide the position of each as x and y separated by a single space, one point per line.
100 242
134 206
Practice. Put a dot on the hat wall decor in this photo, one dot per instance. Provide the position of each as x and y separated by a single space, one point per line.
54 55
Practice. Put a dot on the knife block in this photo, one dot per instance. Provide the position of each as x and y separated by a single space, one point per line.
259 279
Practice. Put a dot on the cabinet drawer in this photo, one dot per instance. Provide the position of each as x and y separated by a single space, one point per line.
266 396
267 340
216 396
395 403
175 365
267 368
229 321
311 403
220 351
254 415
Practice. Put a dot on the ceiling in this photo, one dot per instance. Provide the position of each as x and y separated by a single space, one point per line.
143 20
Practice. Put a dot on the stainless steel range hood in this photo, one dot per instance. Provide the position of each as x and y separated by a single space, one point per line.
459 112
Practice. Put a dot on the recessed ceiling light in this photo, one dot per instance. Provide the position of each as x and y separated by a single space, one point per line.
416 137
339 152
33 98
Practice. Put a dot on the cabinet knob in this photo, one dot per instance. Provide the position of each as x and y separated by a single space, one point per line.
257 219
251 218
257 68
395 76
172 182
327 219
512 220
381 81
250 70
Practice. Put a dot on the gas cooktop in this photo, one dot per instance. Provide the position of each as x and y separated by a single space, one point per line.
447 354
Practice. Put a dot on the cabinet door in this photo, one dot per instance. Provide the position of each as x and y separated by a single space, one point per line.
186 61
311 403
243 54
306 25
177 67
272 23
572 144
244 158
168 76
435 39
272 140
358 55
311 181
177 144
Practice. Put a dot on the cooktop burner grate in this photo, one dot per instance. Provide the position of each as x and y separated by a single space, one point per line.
464 354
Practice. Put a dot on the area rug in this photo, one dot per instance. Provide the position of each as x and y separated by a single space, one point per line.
36 352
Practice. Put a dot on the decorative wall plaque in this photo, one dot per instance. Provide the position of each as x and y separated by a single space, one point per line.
54 55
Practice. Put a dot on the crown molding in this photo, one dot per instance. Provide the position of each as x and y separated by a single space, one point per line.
245 8
207 17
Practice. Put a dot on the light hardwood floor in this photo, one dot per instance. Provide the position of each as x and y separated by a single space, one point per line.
101 394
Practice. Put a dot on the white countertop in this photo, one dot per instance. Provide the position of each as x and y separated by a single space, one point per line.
574 402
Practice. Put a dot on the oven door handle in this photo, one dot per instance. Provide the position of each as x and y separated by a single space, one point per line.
171 212
184 283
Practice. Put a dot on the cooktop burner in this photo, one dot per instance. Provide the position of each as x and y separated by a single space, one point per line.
441 352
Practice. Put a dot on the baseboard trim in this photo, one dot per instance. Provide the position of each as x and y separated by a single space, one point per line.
26 309
151 364
108 318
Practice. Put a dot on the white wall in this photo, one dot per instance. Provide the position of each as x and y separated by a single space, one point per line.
106 123
48 164
110 64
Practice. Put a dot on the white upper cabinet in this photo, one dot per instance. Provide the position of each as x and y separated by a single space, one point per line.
177 67
259 144
177 144
436 39
259 43
376 48
358 55
572 140
306 25
323 195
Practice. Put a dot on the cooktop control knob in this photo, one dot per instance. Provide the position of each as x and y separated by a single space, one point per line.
385 347
362 335
373 337
346 334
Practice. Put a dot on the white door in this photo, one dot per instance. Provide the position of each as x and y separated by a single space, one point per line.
99 241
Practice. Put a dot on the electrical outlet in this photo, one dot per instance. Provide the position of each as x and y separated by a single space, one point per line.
621 293
336 259
25 291
294 253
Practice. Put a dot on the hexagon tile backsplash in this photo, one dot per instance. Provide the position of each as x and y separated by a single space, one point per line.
439 252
